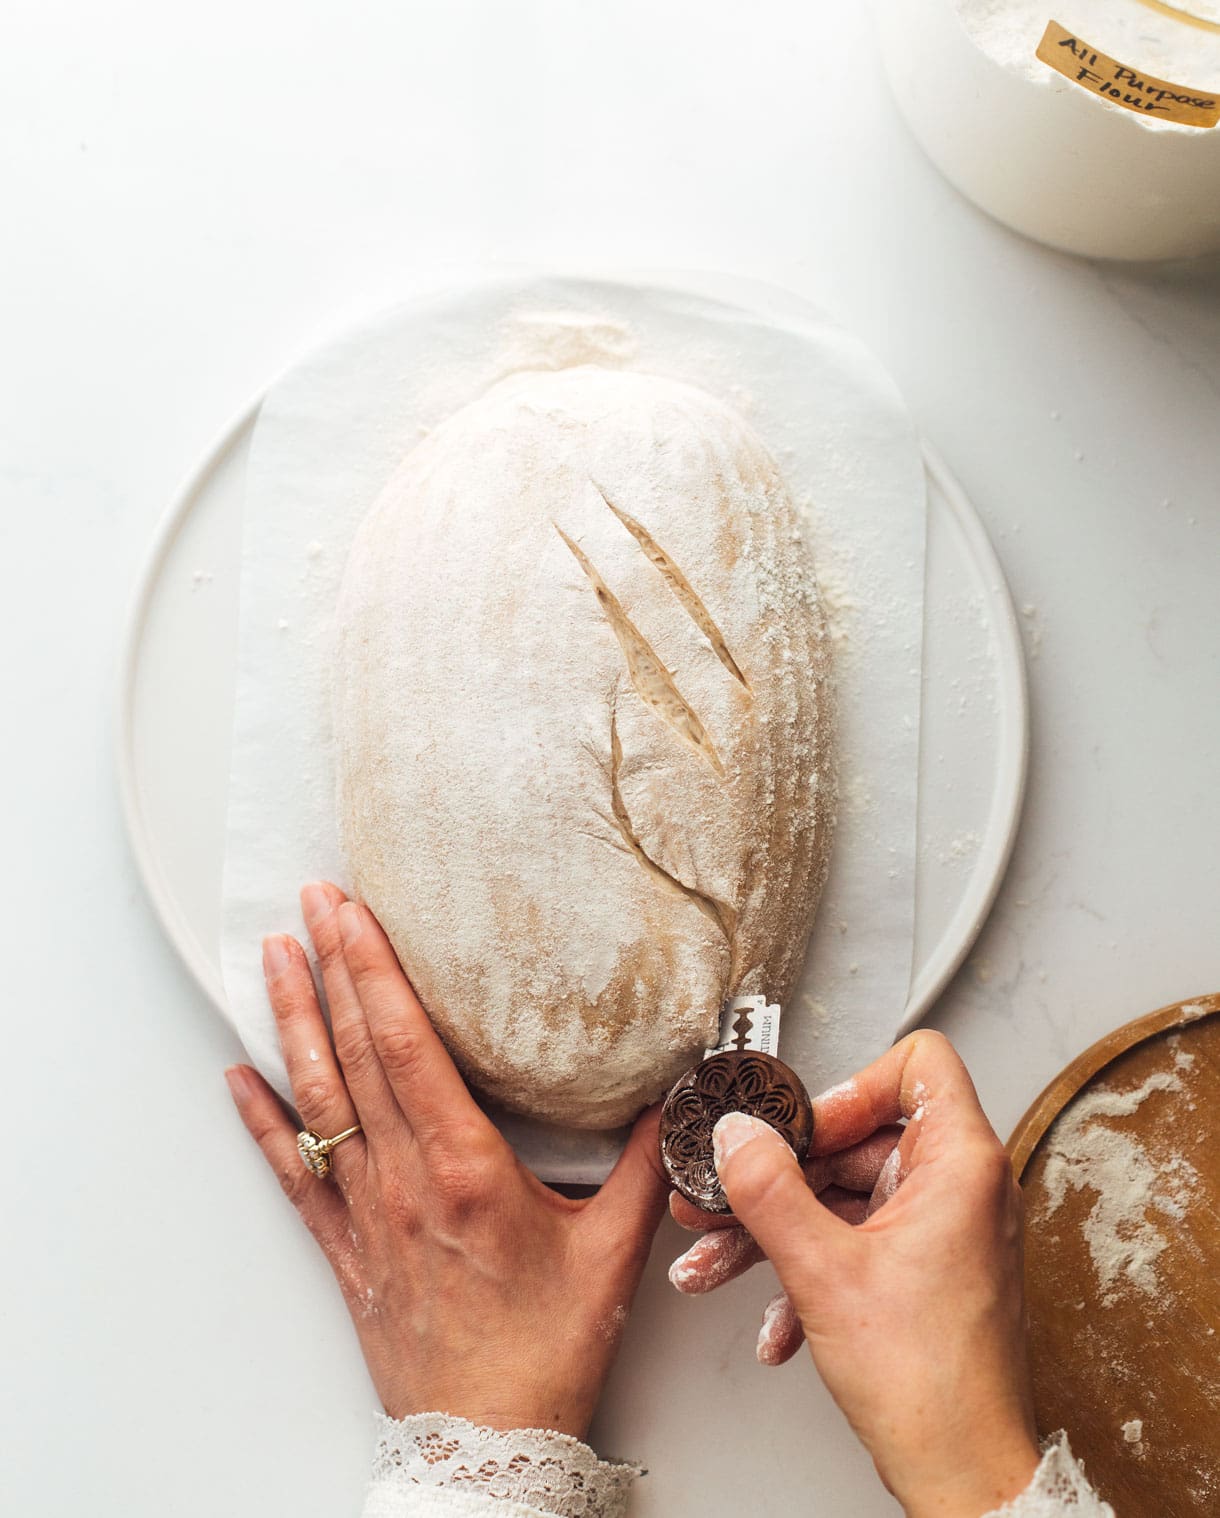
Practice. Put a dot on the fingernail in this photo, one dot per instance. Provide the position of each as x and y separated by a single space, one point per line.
732 1131
888 1181
276 956
776 1327
315 904
684 1270
239 1082
350 924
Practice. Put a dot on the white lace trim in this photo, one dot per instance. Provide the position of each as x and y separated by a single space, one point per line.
1059 1488
554 1473
465 1467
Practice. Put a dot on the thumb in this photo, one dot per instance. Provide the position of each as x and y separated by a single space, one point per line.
633 1194
770 1196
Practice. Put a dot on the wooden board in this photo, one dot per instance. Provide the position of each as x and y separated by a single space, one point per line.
1119 1159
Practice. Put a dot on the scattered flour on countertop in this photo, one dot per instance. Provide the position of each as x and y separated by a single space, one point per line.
1085 1154
1033 620
1009 31
964 846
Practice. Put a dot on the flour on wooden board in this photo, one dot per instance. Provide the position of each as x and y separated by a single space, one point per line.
1085 1154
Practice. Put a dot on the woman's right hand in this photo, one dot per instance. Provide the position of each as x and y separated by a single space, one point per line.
915 1317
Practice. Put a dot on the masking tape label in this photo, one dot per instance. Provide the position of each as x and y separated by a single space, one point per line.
1076 60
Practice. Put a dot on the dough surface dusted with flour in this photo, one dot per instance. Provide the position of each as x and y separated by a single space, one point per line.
584 728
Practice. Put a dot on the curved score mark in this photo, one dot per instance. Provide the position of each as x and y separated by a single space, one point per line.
720 912
652 681
683 591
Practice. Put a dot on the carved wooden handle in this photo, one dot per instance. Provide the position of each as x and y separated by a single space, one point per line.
736 1081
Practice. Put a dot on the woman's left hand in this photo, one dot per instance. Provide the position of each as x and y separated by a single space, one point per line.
475 1289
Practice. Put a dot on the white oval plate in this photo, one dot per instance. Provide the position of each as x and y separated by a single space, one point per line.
174 732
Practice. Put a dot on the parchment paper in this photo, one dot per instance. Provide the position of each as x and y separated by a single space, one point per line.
333 429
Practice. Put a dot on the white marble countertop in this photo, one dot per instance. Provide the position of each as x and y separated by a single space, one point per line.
187 201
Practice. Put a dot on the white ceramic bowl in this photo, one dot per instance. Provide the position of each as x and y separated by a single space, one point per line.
1043 155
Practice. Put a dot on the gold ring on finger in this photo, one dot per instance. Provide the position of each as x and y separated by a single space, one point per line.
316 1150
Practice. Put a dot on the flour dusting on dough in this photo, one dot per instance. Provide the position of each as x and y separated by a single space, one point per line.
583 711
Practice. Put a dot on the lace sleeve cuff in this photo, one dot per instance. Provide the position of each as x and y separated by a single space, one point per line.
1058 1489
434 1464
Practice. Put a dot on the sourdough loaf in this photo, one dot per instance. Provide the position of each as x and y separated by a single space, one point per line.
583 719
